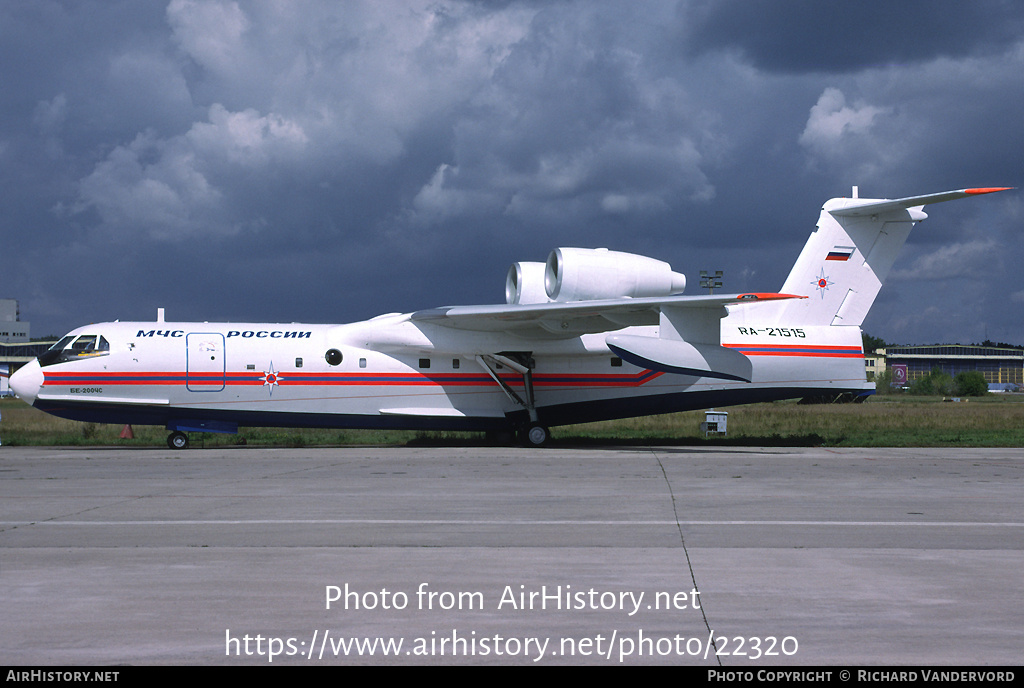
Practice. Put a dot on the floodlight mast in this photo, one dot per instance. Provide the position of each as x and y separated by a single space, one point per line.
711 282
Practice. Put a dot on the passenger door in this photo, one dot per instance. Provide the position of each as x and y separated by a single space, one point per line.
204 361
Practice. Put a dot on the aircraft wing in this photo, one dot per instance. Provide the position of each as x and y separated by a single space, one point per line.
571 319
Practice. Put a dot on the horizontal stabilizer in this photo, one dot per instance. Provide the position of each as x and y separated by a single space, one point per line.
682 358
858 208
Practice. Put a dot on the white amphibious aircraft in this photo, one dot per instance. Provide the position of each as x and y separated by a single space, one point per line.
591 334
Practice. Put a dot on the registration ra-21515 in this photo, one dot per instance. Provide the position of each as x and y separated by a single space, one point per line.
773 331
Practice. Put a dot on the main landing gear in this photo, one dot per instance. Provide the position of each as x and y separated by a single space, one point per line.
177 440
534 434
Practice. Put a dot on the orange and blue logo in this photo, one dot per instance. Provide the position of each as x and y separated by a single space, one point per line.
822 283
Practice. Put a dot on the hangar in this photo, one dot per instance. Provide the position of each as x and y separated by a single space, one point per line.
999 365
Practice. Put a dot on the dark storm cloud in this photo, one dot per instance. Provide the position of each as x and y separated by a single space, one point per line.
813 36
326 161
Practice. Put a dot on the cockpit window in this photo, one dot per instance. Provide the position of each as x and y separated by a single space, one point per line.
90 345
85 344
71 348
59 346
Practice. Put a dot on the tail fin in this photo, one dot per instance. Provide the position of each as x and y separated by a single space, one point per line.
850 253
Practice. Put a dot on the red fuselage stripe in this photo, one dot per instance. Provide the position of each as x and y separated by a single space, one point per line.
344 379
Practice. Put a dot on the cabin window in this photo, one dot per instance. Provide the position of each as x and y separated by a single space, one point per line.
333 357
616 362
249 366
424 363
455 364
362 362
298 362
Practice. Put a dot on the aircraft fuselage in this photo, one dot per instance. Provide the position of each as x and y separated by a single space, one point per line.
392 372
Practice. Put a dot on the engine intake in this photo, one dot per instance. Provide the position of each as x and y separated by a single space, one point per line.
525 283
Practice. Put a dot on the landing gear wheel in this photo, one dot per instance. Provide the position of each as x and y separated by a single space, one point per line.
177 440
536 435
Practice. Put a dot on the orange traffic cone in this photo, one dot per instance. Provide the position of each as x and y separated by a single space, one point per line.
127 433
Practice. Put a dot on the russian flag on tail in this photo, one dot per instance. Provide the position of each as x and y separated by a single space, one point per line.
841 253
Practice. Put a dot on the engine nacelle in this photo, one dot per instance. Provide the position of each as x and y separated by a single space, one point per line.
525 283
584 274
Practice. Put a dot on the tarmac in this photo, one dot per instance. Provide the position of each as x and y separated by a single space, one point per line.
743 558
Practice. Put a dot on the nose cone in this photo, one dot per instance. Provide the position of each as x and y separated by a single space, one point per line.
27 381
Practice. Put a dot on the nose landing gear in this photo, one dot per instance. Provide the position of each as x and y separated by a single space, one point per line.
177 440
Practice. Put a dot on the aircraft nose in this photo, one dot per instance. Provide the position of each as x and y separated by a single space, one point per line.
27 381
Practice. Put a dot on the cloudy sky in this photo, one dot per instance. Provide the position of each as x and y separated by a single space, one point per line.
329 161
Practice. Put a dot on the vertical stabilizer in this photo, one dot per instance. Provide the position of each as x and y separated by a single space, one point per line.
849 255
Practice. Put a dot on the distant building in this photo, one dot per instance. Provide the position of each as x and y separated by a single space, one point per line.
12 328
998 365
16 349
874 363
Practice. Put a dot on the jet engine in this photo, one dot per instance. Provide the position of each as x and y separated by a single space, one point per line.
583 274
525 283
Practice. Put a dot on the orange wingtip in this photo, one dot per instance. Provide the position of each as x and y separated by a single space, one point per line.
768 296
988 189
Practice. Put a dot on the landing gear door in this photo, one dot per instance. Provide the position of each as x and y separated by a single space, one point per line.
204 361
